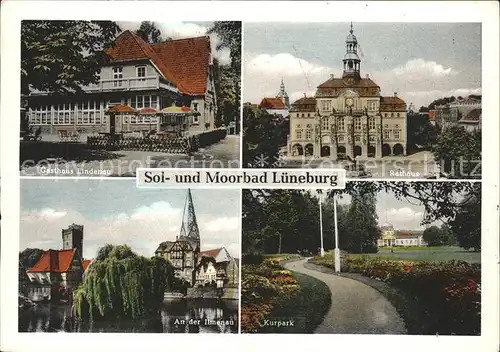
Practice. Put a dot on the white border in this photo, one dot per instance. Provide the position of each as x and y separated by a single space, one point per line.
13 11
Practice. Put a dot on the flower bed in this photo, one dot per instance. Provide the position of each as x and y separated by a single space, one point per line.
264 287
449 293
281 257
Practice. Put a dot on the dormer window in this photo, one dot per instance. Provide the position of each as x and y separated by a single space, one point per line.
141 71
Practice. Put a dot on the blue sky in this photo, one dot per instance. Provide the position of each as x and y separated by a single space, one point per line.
420 61
117 212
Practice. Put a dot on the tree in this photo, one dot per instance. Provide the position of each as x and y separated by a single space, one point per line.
363 230
421 132
122 285
261 138
229 33
228 79
467 225
29 257
149 33
60 57
458 151
227 94
435 236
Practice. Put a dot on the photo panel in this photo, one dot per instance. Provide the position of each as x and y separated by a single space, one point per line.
103 98
127 259
381 100
398 258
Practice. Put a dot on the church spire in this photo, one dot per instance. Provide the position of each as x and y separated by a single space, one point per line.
189 226
351 59
283 95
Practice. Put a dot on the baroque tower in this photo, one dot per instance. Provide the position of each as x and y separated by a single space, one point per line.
283 95
351 59
73 238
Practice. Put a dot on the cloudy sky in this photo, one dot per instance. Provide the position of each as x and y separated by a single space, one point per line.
402 214
179 30
116 212
421 61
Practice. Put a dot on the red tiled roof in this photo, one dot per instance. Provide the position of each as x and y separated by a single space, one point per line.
85 264
431 115
343 83
307 104
210 253
183 62
473 115
392 104
188 59
271 103
54 261
130 47
305 101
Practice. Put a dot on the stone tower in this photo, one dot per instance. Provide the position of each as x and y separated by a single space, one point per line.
351 59
73 238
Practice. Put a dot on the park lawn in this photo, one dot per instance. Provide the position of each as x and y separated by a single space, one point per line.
435 254
306 308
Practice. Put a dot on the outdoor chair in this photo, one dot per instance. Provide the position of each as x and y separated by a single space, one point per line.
63 135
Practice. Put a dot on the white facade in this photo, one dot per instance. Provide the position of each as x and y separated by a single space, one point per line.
139 83
350 117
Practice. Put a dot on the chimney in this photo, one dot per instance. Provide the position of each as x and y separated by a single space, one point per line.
367 75
332 76
395 94
305 95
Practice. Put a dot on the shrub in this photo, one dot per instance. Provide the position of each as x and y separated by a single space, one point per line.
252 258
263 287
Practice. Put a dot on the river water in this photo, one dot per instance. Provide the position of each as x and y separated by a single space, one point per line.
182 316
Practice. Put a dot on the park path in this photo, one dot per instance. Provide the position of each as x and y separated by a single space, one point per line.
356 308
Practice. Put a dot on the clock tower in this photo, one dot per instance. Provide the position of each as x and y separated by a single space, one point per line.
351 59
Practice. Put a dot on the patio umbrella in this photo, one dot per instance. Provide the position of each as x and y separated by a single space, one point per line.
149 112
118 110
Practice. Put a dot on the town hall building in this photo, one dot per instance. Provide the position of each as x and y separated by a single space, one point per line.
141 75
348 116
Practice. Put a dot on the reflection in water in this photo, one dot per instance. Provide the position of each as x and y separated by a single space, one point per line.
182 316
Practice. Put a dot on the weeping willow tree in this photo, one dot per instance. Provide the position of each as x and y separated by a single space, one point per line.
121 284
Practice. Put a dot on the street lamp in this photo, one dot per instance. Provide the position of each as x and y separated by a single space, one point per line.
336 252
322 250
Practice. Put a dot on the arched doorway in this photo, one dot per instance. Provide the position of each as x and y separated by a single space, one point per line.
371 151
325 150
398 149
386 150
308 150
357 150
341 152
297 150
